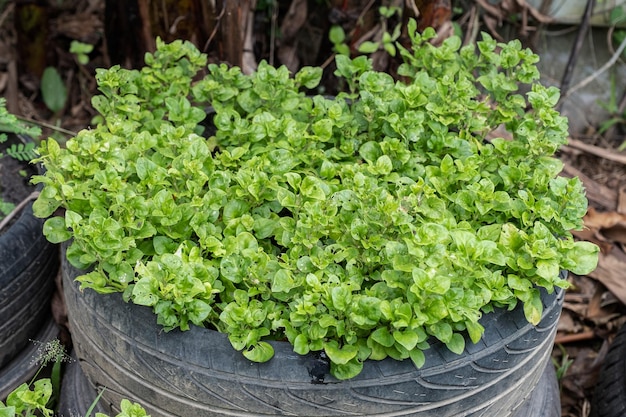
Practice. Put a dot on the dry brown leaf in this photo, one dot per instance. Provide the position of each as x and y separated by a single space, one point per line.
611 272
609 226
433 13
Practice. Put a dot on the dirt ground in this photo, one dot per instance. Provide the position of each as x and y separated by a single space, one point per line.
35 35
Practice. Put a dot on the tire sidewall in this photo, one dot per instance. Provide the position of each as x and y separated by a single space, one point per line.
121 347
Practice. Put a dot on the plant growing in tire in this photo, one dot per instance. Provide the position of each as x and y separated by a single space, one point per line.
363 229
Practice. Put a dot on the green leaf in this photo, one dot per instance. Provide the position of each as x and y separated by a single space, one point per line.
336 34
46 203
6 411
368 47
341 298
260 352
282 281
408 338
311 187
384 166
442 331
584 257
340 355
418 357
533 307
475 330
53 89
55 230
456 344
347 370
548 268
301 344
309 77
383 337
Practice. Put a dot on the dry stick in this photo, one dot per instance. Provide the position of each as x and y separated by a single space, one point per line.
600 70
609 154
577 337
46 125
18 208
573 57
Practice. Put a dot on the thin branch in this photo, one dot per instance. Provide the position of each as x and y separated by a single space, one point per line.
573 58
611 155
47 125
5 221
577 337
599 71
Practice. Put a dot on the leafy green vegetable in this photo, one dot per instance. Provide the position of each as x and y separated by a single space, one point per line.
362 225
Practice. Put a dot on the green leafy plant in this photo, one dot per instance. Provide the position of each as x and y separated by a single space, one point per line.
81 50
362 225
9 123
53 90
563 364
338 36
36 398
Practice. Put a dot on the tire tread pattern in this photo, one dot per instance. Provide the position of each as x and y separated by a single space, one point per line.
190 373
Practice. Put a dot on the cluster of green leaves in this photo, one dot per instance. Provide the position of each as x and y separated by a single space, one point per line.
37 397
32 400
361 225
339 39
9 123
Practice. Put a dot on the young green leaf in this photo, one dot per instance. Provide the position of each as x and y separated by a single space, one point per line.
53 89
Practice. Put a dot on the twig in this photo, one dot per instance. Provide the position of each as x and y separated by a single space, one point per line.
6 13
597 151
46 125
273 19
18 208
573 58
218 19
600 70
577 337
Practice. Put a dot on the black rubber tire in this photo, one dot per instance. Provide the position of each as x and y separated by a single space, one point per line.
609 397
77 393
28 267
545 399
197 372
24 365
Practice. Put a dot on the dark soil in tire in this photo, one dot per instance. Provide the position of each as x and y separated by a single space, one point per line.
609 398
28 267
197 372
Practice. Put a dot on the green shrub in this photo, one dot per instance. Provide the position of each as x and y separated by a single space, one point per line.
359 225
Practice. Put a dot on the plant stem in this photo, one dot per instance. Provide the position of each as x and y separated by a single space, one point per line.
46 125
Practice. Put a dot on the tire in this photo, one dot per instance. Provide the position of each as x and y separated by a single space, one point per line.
24 365
77 393
609 397
197 372
28 267
545 399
